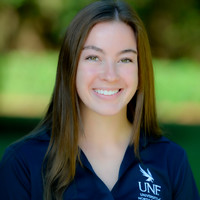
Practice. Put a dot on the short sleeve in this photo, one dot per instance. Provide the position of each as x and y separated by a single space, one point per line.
14 177
184 184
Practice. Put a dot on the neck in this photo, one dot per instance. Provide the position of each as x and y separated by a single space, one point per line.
103 131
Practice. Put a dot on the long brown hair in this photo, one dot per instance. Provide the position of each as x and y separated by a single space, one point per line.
63 115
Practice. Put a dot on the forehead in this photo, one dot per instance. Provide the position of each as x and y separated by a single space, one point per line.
110 33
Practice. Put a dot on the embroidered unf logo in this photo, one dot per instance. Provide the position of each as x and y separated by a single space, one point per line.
147 174
147 187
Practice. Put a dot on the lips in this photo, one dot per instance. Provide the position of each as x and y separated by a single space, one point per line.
107 92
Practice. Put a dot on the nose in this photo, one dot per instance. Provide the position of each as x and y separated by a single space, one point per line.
110 72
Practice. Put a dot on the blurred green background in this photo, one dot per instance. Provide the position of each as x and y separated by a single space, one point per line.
31 33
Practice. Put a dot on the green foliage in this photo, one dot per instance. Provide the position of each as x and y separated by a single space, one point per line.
14 3
177 80
173 27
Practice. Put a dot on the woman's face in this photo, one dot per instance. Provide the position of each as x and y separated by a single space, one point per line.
107 73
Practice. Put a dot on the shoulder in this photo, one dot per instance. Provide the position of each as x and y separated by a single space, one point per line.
171 149
165 153
169 165
162 145
21 165
27 148
178 170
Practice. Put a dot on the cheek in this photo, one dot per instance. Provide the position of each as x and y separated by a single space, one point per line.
85 76
131 76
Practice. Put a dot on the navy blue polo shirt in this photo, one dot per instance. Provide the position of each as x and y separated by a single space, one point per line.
162 173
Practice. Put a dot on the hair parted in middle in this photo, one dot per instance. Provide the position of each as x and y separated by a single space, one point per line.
63 116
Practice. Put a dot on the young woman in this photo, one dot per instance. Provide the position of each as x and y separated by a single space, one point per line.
100 137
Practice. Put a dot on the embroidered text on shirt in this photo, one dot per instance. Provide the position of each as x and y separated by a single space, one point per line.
148 190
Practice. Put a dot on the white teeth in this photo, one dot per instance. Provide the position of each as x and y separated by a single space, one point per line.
106 92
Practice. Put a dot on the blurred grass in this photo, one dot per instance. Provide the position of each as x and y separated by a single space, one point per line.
177 80
177 91
34 73
27 73
27 81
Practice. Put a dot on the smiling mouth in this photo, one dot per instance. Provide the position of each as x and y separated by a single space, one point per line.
107 92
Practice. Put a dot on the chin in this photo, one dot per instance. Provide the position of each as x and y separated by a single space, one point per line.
108 112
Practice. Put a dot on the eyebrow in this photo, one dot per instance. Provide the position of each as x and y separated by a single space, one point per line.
128 51
93 48
101 50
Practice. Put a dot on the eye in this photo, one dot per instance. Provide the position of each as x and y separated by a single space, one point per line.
92 58
126 60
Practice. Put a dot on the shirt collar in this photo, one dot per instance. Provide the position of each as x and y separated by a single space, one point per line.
145 140
42 134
